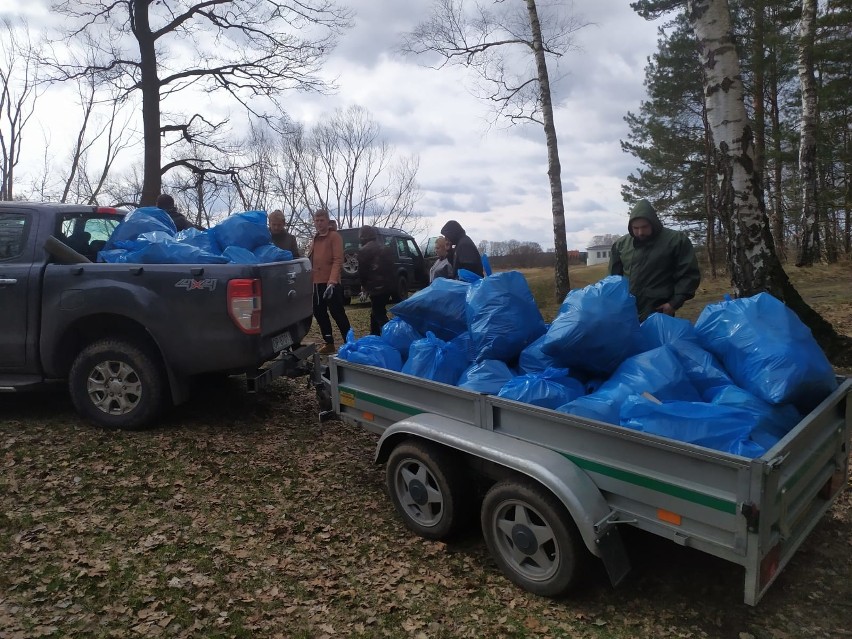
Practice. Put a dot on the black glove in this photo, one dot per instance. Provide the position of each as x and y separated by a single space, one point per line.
329 292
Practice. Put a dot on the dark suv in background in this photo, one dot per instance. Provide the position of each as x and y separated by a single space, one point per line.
412 274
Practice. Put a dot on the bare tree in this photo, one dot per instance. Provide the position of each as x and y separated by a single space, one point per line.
753 263
343 164
481 39
19 91
246 50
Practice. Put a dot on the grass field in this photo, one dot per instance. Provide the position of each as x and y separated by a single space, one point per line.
241 516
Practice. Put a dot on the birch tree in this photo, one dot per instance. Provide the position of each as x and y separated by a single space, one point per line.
753 263
480 39
809 249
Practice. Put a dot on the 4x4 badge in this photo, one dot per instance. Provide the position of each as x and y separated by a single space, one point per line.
196 285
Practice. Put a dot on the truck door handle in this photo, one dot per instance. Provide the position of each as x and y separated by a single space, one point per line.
5 281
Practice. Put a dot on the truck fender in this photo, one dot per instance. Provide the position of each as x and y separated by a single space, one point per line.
568 483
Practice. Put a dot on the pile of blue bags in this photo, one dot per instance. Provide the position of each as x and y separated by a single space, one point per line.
737 381
148 236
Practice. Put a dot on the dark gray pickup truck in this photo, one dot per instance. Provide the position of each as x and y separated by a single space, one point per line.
129 338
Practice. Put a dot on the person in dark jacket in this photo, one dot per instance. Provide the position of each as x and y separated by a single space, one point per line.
280 236
377 273
167 203
659 263
465 253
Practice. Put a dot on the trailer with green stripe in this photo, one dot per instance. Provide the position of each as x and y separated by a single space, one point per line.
558 488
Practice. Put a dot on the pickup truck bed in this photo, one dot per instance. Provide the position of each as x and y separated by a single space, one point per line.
751 512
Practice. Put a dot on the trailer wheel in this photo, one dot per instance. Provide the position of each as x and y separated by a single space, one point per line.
532 538
426 489
116 384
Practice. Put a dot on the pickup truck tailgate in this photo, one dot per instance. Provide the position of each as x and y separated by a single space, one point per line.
287 301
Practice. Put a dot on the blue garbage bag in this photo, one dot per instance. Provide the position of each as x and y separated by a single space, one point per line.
433 358
701 367
468 276
246 230
439 308
486 376
532 359
773 421
464 344
767 350
549 388
713 426
486 265
400 334
598 328
157 247
659 329
239 255
657 372
266 253
502 316
142 220
371 350
201 239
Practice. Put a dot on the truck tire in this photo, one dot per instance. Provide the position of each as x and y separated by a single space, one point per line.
401 289
116 384
532 538
426 488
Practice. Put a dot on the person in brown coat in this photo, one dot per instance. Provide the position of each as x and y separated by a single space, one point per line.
377 273
326 255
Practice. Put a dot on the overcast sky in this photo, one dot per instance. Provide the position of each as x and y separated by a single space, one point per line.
493 180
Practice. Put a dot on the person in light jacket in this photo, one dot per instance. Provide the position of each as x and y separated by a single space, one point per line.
442 266
326 255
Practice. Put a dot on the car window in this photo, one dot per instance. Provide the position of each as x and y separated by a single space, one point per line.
411 246
13 233
401 247
350 240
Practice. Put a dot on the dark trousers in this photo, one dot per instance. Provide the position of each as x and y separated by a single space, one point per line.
335 306
378 314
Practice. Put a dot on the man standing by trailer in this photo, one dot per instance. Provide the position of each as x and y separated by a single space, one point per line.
659 263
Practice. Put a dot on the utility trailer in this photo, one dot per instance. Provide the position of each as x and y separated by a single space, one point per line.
558 487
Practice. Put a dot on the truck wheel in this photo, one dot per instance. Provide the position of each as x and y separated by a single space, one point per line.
402 289
116 384
532 538
426 489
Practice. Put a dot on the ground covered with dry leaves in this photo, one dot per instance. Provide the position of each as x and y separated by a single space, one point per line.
242 516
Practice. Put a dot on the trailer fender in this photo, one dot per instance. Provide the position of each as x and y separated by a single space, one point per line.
554 471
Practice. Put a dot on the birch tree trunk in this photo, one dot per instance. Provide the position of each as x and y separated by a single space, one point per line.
753 263
554 168
809 249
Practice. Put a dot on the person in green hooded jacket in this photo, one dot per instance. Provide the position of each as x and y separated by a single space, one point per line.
659 263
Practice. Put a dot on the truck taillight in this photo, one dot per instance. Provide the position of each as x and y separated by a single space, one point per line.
244 304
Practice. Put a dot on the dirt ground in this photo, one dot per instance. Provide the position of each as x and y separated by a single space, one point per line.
242 516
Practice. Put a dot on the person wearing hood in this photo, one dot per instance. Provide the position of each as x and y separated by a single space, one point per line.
166 203
659 263
465 253
280 236
377 273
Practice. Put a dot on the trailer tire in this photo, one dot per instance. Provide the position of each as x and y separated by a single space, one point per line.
532 538
116 384
426 488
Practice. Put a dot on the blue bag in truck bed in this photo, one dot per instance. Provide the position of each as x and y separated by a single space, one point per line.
767 350
597 327
142 220
439 308
247 230
502 316
158 247
660 329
